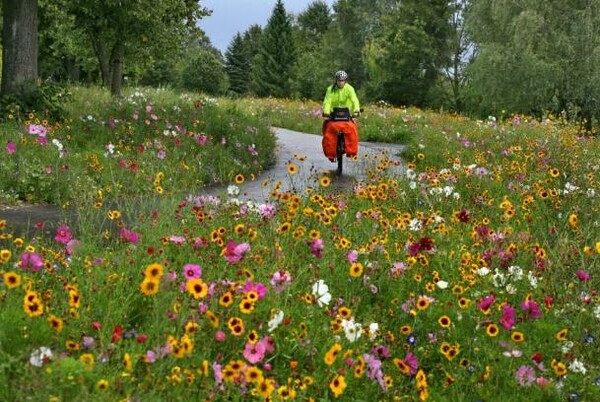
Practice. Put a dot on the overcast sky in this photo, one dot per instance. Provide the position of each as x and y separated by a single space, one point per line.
232 16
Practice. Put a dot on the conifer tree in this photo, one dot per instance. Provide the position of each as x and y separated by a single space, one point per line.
276 56
238 65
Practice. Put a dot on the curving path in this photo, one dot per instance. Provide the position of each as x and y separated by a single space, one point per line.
304 150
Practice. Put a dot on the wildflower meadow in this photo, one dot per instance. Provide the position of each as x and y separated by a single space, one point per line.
468 272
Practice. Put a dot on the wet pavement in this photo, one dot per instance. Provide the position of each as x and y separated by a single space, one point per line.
304 150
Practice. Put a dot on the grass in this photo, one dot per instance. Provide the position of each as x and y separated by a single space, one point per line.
470 273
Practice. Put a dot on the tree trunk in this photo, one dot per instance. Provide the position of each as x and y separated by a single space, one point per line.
116 68
100 49
20 43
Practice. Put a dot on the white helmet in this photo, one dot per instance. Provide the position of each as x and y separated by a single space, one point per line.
341 75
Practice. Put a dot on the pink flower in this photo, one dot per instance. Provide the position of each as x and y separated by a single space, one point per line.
31 261
316 247
191 271
532 308
129 236
254 353
509 317
584 276
486 302
413 362
63 234
11 148
177 240
220 336
280 279
235 252
259 288
525 375
352 256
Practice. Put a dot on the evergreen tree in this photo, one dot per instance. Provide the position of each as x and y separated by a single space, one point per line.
238 65
276 56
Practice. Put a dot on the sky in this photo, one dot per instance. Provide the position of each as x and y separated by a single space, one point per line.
232 16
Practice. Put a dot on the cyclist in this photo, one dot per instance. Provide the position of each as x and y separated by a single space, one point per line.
340 94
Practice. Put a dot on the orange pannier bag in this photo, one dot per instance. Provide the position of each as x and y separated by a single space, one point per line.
329 141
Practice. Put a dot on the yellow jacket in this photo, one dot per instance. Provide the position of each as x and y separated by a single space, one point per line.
344 97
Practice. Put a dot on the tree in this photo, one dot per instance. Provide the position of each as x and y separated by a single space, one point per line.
117 29
238 65
271 72
205 72
20 43
412 49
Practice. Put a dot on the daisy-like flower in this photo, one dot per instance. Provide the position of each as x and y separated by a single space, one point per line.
292 168
525 375
12 280
40 356
320 291
356 269
150 286
338 385
277 318
197 288
325 181
192 271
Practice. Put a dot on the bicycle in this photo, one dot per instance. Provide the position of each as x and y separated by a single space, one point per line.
340 115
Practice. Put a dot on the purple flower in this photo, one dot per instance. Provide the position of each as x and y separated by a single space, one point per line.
413 362
31 261
316 246
235 252
11 148
191 271
259 288
509 317
525 375
584 276
129 236
532 308
254 353
63 234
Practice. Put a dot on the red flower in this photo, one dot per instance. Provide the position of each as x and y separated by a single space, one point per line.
537 357
117 333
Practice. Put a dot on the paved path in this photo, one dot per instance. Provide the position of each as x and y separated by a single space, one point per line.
22 219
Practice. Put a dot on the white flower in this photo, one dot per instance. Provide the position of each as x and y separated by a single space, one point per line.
498 279
577 367
511 289
597 312
321 292
276 320
483 271
532 279
456 196
516 272
590 193
566 346
412 185
373 331
442 284
233 190
352 330
410 174
39 355
415 225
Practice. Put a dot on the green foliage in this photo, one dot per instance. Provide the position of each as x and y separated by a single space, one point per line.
238 65
205 72
45 100
271 70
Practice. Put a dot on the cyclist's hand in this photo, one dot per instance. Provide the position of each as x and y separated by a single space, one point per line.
355 114
325 114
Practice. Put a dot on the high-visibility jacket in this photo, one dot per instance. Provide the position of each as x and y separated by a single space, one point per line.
340 97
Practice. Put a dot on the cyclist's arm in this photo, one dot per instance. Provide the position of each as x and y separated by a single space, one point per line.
355 102
327 102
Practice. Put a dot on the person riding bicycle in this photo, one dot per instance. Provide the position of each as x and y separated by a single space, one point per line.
340 95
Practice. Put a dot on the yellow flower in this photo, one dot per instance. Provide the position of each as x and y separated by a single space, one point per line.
337 385
292 169
197 288
239 179
492 330
102 385
332 353
325 181
598 247
56 323
12 280
154 271
573 220
150 286
562 334
356 270
444 321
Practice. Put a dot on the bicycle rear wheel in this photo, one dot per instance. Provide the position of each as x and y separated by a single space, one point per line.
340 152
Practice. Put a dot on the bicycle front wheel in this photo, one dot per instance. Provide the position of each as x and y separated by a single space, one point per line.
340 153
